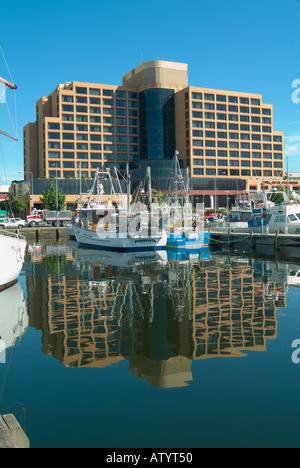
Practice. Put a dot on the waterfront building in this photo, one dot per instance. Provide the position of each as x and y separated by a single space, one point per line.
225 139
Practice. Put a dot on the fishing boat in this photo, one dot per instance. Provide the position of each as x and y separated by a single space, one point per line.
12 246
108 222
187 231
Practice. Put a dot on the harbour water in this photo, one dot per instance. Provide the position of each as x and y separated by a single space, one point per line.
111 350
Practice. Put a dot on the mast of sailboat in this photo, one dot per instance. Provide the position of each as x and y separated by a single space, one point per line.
11 86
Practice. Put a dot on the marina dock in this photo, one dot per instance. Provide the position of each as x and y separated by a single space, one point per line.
254 239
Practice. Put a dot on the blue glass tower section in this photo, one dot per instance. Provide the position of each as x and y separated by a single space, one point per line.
157 124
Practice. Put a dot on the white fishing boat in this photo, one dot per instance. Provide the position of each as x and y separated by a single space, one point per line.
12 251
108 223
12 246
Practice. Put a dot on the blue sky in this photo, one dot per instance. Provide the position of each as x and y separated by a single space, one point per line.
250 46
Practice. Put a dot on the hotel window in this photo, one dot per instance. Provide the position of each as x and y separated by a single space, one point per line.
81 118
268 174
108 92
234 163
266 111
198 171
53 136
233 118
54 145
256 137
82 146
95 128
208 105
278 165
245 145
197 105
68 145
211 172
81 100
234 172
198 133
233 127
232 99
233 136
68 136
108 102
197 115
256 146
54 154
68 165
221 117
222 144
56 126
277 147
82 155
255 102
95 92
66 108
209 97
256 163
221 98
244 110
68 155
234 154
79 128
67 118
222 126
255 120
197 124
82 109
245 154
244 118
211 154
267 138
266 120
267 155
210 144
245 173
67 99
222 172
96 156
222 135
132 95
245 164
244 100
210 134
198 162
107 111
196 95
222 153
209 115
95 137
120 103
197 152
256 173
255 110
222 162
95 110
210 125
255 128
81 90
277 156
95 101
197 142
233 109
256 155
245 128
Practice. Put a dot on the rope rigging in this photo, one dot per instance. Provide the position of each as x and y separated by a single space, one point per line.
12 86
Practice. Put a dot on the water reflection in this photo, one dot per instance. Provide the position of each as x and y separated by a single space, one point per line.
159 313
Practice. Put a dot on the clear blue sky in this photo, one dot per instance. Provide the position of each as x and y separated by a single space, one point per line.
239 45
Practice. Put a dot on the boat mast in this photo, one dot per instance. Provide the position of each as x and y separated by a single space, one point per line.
11 86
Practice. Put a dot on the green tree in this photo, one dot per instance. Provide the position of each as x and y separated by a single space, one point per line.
17 205
49 198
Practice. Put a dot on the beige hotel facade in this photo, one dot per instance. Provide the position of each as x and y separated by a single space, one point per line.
225 138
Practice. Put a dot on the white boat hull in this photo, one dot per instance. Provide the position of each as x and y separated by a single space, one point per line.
121 242
12 251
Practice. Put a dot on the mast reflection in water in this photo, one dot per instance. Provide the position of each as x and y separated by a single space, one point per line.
98 308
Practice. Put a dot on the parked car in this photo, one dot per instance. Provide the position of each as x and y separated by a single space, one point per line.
16 223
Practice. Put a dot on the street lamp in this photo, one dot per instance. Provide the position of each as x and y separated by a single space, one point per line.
56 184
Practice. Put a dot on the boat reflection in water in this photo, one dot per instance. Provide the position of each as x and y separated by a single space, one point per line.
160 314
13 318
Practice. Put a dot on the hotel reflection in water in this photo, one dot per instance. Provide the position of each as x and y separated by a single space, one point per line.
96 309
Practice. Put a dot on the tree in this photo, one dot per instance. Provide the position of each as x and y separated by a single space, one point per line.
49 198
17 205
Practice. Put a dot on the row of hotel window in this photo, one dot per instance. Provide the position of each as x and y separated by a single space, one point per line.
230 117
231 135
233 144
106 92
94 137
236 172
232 126
98 101
236 154
237 163
95 147
95 156
97 110
82 126
224 98
229 108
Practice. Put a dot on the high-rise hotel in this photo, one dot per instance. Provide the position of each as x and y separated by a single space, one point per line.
225 138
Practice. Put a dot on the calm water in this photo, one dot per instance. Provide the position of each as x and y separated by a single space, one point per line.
117 350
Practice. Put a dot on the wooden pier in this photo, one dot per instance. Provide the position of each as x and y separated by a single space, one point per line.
43 235
11 434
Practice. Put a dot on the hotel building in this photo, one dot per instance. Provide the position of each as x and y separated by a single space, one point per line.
225 138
